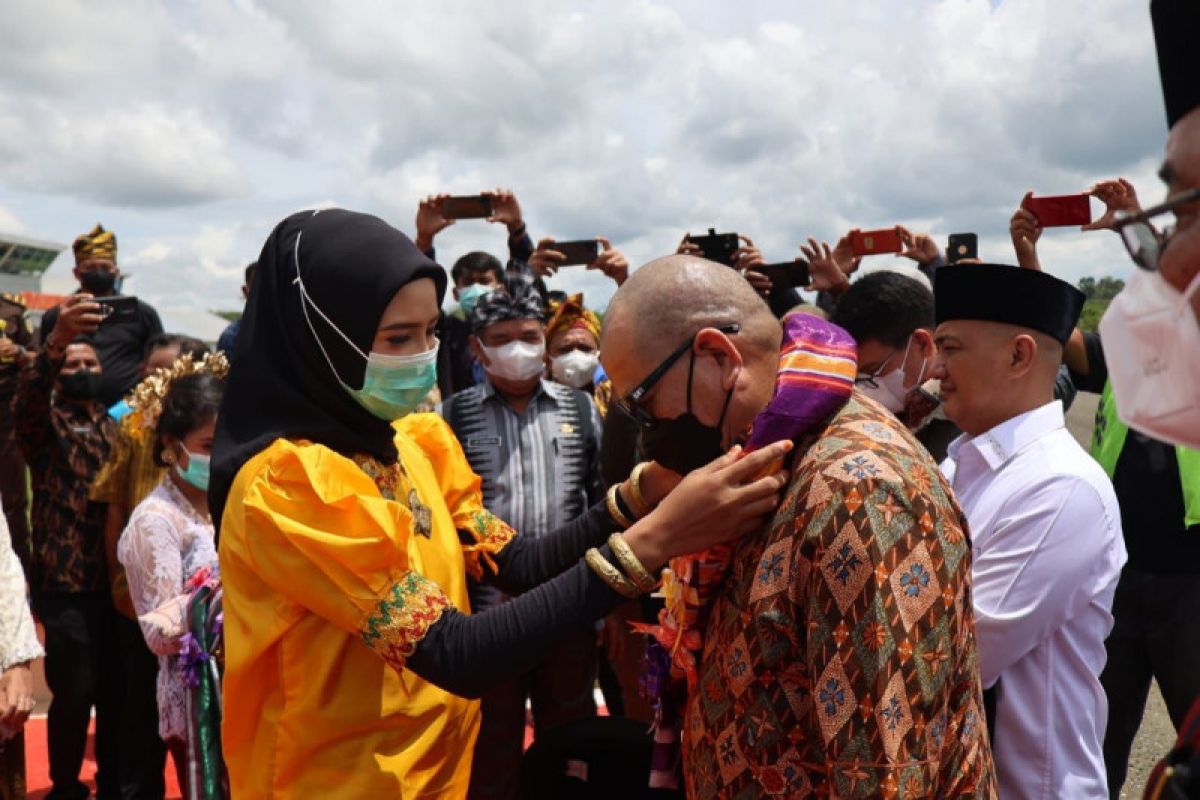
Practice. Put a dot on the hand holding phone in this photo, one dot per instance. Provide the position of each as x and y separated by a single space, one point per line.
792 274
476 206
118 308
576 253
1060 211
877 242
718 247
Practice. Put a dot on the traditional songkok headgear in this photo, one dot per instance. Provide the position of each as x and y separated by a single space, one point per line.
516 298
1026 298
569 314
98 243
1176 34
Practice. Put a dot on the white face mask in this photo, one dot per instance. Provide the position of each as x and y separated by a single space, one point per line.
889 390
576 368
515 361
1152 346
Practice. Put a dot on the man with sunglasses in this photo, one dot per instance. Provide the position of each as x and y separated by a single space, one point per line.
1152 329
837 647
1156 608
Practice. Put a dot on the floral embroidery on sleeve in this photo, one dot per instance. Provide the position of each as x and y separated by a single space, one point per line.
403 617
491 535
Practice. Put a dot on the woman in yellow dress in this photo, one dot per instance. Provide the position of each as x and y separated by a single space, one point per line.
348 526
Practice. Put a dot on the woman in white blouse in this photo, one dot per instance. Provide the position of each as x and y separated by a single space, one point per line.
18 648
169 541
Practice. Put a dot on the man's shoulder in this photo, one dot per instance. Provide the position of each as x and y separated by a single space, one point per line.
864 442
1057 460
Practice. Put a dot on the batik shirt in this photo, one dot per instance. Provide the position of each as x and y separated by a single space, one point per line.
839 657
65 445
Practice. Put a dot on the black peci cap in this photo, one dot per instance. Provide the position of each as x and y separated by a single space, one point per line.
1177 36
1011 295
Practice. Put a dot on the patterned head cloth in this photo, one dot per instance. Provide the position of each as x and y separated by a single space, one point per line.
98 243
515 298
570 314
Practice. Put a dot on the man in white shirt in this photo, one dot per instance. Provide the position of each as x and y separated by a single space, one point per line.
1045 526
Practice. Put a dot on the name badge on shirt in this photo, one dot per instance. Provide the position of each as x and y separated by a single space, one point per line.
477 442
566 427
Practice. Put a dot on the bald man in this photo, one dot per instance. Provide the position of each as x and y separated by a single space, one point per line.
1045 526
838 653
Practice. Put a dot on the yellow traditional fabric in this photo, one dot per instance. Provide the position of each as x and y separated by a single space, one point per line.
125 480
328 589
130 473
462 491
602 397
570 313
97 243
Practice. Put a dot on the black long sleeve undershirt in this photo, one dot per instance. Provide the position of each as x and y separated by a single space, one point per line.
466 654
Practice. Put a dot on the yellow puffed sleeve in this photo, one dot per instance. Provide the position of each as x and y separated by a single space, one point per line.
317 532
460 488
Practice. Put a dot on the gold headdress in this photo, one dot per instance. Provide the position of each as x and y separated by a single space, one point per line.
96 243
147 397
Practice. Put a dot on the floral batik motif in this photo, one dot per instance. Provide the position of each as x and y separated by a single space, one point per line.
838 659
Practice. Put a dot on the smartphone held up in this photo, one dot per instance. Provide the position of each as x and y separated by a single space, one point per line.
578 253
872 243
476 206
1060 210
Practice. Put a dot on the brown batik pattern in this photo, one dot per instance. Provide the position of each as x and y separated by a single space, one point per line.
839 659
65 445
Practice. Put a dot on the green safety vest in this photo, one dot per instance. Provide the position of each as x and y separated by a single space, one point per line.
1108 440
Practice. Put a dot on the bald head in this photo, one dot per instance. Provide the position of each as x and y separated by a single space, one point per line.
671 298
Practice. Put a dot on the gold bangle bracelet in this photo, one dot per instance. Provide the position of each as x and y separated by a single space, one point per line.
629 562
610 574
637 498
614 511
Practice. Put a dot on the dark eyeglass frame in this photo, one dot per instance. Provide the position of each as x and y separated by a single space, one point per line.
631 404
872 379
1142 240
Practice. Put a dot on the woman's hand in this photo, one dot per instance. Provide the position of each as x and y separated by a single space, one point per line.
720 502
16 696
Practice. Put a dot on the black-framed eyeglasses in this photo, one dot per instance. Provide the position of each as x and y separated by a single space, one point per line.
872 379
631 404
1144 242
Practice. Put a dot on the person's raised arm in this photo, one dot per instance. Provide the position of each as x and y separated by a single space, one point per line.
1024 230
507 212
921 248
430 222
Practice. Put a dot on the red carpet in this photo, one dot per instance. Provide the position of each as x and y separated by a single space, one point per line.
37 764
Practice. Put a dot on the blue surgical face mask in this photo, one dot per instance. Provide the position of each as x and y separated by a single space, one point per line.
196 472
468 298
395 385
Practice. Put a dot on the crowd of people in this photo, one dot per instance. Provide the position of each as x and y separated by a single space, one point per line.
834 548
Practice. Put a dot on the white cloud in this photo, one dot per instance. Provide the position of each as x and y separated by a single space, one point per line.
197 126
9 222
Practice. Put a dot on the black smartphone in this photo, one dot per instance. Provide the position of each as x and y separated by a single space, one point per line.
118 308
476 206
718 247
960 246
583 251
793 274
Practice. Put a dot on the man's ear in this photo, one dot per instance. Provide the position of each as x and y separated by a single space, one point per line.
711 341
1023 354
926 349
454 291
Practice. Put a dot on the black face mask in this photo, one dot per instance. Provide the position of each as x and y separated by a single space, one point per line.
685 443
81 385
98 281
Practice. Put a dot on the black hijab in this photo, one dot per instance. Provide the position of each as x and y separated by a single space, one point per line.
280 384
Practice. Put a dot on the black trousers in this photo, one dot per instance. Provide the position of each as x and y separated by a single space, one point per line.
80 669
559 688
1155 636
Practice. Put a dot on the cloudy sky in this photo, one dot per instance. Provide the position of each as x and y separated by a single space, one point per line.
190 128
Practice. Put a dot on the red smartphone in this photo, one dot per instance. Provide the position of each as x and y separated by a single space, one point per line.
1060 210
871 243
467 207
